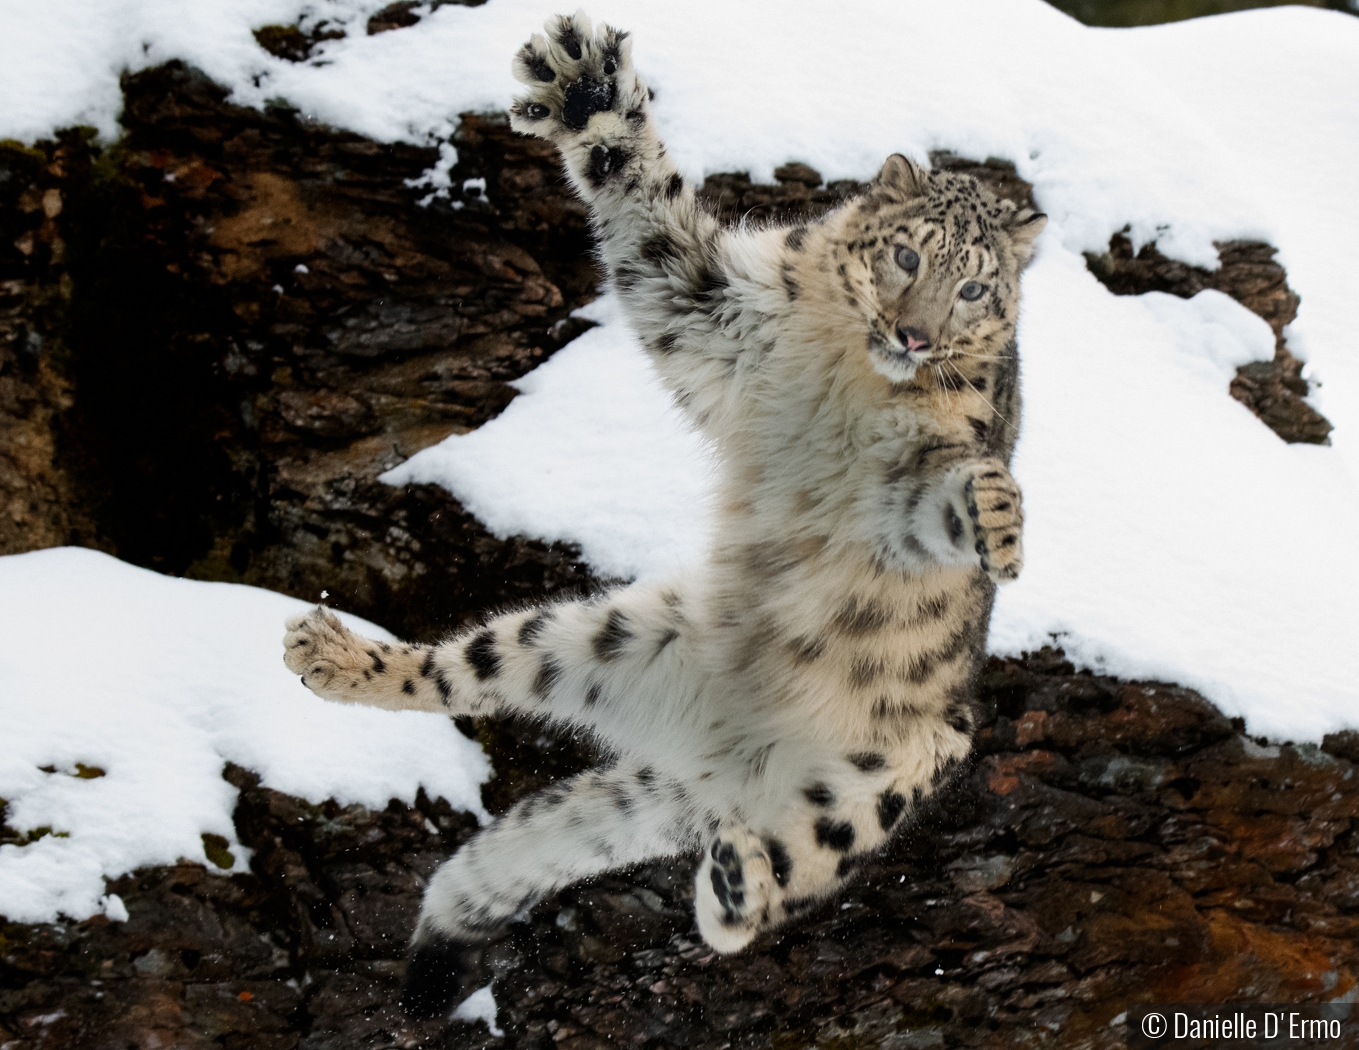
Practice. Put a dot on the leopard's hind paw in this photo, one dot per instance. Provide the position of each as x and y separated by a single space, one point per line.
735 889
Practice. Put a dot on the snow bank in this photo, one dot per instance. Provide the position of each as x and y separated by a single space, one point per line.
593 451
159 682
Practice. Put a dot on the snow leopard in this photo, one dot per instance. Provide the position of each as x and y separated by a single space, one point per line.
783 708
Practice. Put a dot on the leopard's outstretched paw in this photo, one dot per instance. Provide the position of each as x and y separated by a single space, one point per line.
734 889
995 511
574 73
331 659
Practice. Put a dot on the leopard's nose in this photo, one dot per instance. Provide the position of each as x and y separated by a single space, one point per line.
913 338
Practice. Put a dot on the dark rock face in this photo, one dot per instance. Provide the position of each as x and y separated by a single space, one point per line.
798 194
1114 843
1273 390
1152 12
353 329
218 334
39 505
406 13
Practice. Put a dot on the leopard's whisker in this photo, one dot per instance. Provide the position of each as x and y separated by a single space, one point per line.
939 374
983 397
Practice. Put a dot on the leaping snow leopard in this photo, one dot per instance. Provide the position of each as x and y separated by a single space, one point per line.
786 705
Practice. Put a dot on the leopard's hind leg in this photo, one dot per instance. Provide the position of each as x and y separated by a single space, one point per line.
756 876
580 827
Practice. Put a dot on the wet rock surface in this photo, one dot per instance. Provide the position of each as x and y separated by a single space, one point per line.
1274 390
1114 843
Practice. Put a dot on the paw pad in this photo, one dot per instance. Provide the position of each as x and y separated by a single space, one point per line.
728 881
325 653
735 891
586 97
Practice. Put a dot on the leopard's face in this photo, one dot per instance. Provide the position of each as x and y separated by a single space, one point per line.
934 260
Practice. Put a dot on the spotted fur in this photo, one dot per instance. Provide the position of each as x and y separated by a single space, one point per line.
784 706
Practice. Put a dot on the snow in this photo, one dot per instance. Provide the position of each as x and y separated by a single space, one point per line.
553 462
479 1006
1169 534
159 682
113 907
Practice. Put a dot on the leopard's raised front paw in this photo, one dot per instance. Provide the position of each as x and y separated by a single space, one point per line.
734 889
572 74
328 655
996 512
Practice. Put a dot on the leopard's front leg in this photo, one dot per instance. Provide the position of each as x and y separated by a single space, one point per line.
973 515
615 664
585 97
690 289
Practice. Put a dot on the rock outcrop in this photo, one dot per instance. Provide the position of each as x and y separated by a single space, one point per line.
1113 843
1273 390
252 318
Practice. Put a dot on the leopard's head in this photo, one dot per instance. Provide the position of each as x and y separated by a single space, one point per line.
931 260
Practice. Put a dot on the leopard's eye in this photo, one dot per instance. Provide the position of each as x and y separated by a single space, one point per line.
972 291
907 259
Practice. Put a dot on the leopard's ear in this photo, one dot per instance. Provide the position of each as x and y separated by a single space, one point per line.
1024 226
903 174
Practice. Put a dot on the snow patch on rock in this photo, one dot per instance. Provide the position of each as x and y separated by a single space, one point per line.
159 682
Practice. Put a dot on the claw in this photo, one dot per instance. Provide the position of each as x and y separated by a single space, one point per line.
573 33
563 29
530 64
